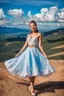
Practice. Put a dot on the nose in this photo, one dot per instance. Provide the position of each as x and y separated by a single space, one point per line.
33 27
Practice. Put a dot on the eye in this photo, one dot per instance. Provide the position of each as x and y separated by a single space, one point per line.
32 25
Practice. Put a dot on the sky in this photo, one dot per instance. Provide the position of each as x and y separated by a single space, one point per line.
17 13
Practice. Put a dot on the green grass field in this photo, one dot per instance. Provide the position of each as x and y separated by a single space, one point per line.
48 42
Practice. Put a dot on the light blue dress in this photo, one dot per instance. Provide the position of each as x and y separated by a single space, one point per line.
31 62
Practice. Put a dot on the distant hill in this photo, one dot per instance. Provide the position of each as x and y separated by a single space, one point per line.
11 30
60 31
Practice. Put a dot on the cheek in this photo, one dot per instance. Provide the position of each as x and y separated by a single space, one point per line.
32 28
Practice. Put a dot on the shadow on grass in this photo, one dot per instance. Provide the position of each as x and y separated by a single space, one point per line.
56 40
16 39
55 51
57 57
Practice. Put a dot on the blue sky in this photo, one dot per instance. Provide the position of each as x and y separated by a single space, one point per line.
26 5
14 11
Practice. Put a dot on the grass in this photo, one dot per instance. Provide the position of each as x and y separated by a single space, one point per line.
9 51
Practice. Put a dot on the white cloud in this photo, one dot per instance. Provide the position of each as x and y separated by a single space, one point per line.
61 20
60 15
51 14
38 15
49 17
44 10
4 22
16 12
1 22
46 14
29 14
2 15
53 9
62 10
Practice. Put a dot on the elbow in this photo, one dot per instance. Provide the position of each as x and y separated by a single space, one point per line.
40 46
26 45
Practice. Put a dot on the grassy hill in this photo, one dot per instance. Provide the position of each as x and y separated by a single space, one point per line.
10 46
51 40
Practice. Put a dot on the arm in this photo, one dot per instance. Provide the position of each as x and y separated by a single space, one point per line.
22 49
40 45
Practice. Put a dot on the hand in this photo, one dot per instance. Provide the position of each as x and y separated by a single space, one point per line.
46 56
16 55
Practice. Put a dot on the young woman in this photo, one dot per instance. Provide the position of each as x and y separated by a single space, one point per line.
30 62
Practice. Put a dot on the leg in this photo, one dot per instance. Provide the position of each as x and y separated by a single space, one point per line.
31 87
32 79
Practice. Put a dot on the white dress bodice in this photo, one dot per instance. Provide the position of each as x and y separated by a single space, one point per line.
32 40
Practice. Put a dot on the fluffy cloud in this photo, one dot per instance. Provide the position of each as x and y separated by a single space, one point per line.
1 22
62 10
61 14
53 9
38 16
16 12
29 14
2 15
51 14
44 10
41 15
4 22
46 14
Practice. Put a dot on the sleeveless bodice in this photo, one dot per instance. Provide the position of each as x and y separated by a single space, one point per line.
32 40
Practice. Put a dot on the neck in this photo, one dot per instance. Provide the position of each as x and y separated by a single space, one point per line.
33 31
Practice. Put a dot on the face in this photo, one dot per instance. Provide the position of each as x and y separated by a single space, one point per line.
33 27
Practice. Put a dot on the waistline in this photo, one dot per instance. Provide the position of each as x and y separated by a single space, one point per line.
32 45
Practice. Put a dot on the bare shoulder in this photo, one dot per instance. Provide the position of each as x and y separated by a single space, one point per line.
29 34
39 34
